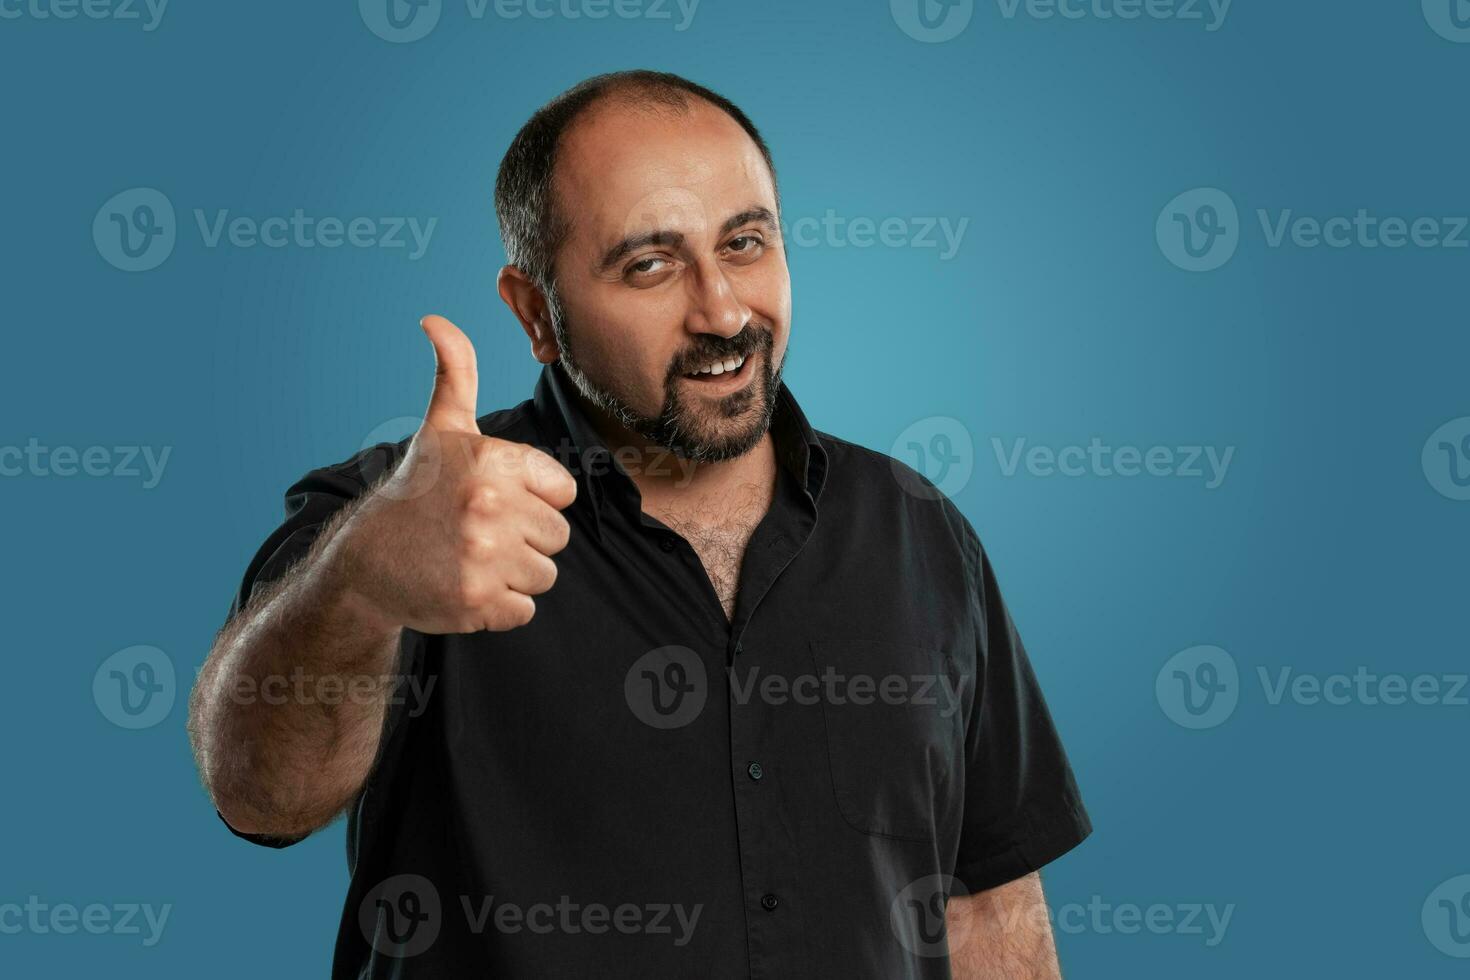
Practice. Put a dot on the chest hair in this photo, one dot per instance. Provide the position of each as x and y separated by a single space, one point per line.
719 530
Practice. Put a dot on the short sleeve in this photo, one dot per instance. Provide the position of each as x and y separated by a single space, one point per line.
311 502
1022 806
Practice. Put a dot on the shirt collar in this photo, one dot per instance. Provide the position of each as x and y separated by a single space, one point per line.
578 446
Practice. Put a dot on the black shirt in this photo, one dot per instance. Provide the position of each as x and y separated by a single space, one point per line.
633 785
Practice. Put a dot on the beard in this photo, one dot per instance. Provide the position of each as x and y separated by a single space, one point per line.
702 432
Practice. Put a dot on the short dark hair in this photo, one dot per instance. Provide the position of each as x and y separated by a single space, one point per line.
531 225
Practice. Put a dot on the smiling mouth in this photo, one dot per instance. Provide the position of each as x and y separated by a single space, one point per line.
722 369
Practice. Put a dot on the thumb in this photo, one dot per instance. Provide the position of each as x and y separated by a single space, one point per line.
456 379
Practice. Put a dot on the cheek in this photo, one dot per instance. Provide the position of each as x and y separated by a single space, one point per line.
626 344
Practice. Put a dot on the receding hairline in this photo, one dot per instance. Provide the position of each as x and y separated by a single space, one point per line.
533 224
646 98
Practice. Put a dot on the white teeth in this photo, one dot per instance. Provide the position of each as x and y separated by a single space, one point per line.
720 367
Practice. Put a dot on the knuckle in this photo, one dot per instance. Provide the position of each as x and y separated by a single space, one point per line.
470 594
561 531
483 498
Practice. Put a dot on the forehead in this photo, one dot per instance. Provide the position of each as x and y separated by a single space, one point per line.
623 169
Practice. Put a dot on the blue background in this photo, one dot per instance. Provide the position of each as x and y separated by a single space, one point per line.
1060 318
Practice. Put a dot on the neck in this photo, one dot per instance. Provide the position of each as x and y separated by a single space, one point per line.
668 482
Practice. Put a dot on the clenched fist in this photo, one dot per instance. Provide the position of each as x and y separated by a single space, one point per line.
460 537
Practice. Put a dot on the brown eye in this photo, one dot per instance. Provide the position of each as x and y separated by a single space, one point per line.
644 266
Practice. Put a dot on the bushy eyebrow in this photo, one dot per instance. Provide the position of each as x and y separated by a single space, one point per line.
674 239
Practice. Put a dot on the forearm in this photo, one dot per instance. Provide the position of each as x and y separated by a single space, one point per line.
286 715
1002 934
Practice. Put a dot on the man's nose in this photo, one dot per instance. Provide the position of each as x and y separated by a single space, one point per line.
713 306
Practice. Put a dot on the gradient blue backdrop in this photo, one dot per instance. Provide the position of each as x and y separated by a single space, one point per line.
1060 318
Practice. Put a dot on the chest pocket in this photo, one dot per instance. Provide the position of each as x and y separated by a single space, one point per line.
895 734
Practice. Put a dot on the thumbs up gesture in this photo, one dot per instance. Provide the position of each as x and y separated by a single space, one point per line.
460 537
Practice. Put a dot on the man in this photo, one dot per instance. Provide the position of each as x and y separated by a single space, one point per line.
763 714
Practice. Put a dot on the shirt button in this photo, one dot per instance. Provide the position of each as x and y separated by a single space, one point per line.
755 770
667 544
769 902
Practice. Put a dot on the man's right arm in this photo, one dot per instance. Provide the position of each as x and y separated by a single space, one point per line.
457 538
275 762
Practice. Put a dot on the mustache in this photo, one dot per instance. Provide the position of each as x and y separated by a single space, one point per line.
753 337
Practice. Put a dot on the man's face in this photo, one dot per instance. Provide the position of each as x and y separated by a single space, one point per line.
673 262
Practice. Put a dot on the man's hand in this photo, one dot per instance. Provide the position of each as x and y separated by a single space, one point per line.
460 537
1002 933
457 539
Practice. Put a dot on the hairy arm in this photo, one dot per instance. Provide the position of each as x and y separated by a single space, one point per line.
1002 934
287 712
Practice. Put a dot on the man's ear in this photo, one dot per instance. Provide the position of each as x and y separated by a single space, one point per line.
527 302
